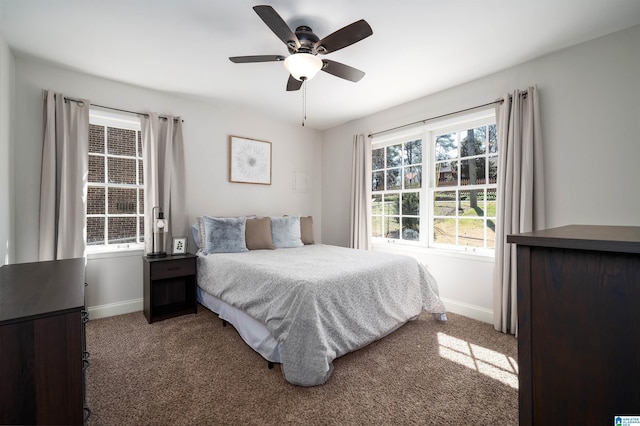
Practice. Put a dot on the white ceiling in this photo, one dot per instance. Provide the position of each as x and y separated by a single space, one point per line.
418 47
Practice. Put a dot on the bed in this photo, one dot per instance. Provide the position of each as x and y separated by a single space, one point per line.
307 305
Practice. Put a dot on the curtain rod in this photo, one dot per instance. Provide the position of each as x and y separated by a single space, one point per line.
423 121
164 117
523 93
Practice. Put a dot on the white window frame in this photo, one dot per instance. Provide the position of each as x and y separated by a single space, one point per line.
427 132
128 122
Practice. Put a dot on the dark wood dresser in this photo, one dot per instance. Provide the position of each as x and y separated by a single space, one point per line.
42 347
578 324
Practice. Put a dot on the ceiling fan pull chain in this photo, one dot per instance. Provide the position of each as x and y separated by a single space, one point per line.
304 101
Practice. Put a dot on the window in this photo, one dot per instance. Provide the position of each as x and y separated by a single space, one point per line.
396 186
464 187
435 186
115 194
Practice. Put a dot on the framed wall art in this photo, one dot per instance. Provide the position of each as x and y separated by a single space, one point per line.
249 161
179 245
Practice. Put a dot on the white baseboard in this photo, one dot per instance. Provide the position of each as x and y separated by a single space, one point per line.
113 309
471 311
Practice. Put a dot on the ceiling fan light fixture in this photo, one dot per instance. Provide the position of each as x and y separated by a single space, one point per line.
303 66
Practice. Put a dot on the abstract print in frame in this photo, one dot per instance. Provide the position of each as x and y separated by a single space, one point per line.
249 161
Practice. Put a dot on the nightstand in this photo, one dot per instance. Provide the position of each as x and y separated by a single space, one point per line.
169 286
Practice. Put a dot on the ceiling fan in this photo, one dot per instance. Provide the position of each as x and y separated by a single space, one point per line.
304 46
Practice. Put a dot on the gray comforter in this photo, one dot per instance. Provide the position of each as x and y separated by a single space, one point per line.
320 301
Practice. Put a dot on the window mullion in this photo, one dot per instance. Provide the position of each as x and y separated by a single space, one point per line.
106 187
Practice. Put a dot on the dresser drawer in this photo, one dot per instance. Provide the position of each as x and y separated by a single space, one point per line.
174 268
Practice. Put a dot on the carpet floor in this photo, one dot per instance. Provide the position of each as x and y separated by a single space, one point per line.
190 370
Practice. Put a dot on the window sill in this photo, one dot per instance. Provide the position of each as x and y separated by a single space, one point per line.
414 249
108 253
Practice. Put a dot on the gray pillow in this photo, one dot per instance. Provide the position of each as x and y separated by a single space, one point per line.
224 234
197 229
195 232
285 232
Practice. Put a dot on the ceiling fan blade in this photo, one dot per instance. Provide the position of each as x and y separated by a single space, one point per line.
293 84
257 58
344 37
341 70
277 25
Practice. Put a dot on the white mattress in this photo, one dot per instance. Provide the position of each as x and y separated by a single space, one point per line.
252 331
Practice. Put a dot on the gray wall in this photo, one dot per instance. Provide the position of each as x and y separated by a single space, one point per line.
590 113
589 107
115 281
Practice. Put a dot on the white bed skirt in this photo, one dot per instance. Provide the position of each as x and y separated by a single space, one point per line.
253 332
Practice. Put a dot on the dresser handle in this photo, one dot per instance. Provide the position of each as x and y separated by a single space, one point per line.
175 268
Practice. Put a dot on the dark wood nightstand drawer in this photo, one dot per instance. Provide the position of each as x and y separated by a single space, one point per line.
173 268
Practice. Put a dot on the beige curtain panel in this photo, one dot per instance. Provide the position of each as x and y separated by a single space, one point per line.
520 203
164 175
63 181
360 223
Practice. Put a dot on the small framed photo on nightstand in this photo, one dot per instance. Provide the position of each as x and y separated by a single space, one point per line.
179 245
